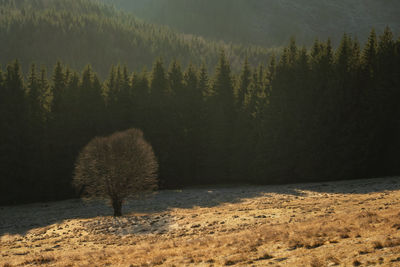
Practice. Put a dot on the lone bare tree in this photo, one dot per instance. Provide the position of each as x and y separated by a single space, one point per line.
117 167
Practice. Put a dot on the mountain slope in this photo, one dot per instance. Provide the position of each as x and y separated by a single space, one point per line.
268 22
79 32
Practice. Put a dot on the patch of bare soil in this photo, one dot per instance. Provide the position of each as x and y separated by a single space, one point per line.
350 223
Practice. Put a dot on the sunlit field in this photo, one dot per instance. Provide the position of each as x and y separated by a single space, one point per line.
352 223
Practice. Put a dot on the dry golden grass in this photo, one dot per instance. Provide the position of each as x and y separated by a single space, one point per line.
311 228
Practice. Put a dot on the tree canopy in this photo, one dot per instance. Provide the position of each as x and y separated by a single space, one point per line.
117 167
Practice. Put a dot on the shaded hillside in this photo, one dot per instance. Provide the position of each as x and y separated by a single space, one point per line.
269 22
82 31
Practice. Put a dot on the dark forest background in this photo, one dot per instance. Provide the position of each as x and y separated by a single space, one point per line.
312 115
214 112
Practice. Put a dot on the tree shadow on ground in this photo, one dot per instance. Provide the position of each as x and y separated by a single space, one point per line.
205 196
21 219
215 195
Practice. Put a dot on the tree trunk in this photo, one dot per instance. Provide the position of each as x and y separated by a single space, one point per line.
117 206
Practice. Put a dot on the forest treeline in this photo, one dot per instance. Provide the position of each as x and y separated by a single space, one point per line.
310 115
80 31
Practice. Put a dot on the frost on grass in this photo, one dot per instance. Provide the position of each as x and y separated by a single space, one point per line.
342 223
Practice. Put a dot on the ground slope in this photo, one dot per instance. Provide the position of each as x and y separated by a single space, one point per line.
343 223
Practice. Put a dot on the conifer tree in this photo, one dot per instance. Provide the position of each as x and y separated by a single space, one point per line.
178 102
204 87
271 69
58 90
111 87
35 149
256 89
62 144
193 123
222 84
384 93
343 55
14 141
222 115
292 51
125 96
244 82
45 89
159 117
141 83
91 102
35 96
158 83
203 135
175 78
178 98
369 56
140 100
386 54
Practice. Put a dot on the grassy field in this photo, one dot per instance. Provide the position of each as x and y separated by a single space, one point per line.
352 223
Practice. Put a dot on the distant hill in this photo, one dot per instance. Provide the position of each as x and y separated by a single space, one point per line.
79 32
268 22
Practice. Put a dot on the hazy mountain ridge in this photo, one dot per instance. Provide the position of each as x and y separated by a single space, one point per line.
268 22
81 32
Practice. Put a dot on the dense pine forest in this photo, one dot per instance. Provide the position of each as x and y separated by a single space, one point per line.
314 114
81 31
268 22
